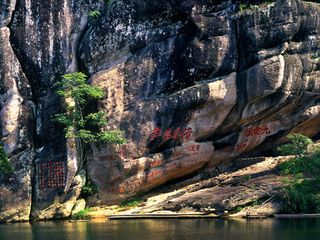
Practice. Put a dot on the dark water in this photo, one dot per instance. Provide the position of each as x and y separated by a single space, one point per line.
292 229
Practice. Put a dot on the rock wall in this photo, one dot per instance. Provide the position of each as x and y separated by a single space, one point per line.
38 42
192 84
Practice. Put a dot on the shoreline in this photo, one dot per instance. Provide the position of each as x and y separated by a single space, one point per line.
106 218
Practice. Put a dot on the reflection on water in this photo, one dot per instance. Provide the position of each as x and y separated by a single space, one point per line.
192 229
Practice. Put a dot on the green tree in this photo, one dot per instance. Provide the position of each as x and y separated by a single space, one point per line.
84 128
297 146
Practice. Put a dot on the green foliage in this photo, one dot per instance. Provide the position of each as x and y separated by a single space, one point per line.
114 136
75 86
132 202
251 204
78 94
246 5
94 14
89 189
63 119
95 119
301 193
82 215
301 196
298 145
237 209
247 177
306 165
5 166
84 127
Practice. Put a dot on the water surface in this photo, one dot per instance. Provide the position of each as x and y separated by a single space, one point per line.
188 229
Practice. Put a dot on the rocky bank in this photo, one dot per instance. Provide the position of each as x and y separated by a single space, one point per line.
194 84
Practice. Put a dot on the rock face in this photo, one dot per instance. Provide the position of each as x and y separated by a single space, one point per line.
37 45
17 134
249 184
196 84
193 84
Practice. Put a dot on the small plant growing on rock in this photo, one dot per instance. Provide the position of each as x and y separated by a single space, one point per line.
94 14
81 215
251 5
5 166
89 189
133 202
298 145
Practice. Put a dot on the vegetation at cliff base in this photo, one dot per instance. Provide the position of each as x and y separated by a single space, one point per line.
301 191
81 215
132 202
5 166
297 146
301 196
89 189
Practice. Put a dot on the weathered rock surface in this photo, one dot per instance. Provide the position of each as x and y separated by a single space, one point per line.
17 127
232 189
78 206
198 84
38 42
193 85
248 186
63 205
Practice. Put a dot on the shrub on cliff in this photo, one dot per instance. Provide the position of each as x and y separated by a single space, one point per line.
89 189
84 127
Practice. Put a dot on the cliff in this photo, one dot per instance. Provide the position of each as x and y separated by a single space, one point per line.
193 84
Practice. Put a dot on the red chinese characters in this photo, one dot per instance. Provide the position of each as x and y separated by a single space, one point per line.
157 132
249 132
171 134
153 174
194 148
156 163
186 133
241 146
255 131
51 174
176 134
177 154
167 135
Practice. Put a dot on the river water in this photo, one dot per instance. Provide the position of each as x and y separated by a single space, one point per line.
266 229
